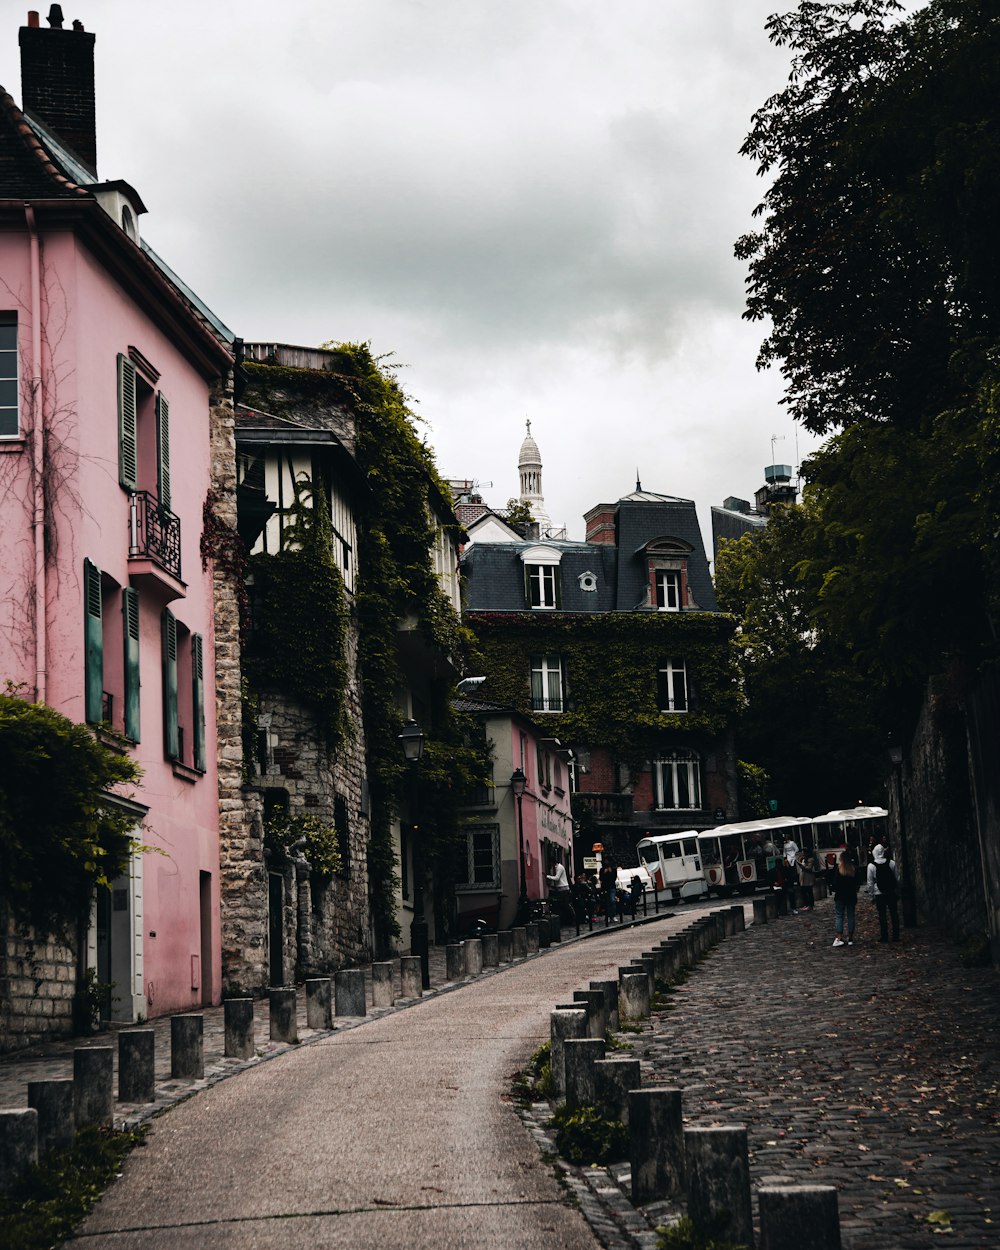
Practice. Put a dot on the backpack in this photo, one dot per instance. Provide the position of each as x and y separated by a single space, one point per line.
885 879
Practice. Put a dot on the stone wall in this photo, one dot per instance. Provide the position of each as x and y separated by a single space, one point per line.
983 724
37 985
326 923
942 843
243 879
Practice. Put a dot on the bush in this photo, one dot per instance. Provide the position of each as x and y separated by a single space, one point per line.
585 1135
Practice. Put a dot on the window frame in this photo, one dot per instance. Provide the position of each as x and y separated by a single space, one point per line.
667 766
541 664
8 320
671 673
663 596
470 832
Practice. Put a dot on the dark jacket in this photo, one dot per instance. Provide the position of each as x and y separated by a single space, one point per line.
845 888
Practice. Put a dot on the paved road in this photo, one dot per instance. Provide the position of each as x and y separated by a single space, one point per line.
397 1133
875 1068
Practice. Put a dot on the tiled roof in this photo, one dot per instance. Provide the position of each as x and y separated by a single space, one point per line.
27 172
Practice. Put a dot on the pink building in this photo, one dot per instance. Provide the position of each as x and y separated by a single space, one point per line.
110 370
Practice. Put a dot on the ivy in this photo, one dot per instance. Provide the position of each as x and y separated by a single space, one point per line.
611 662
61 834
299 637
319 842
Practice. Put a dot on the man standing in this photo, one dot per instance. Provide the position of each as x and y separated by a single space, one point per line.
883 886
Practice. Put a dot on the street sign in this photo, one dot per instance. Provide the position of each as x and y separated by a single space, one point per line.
597 848
591 863
772 806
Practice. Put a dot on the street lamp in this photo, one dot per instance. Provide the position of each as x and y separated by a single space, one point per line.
412 742
518 782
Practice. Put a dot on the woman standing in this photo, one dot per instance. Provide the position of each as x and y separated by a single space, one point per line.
807 878
845 897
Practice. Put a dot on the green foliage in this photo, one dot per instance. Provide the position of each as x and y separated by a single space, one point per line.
298 644
684 1236
813 718
51 1200
534 1082
319 842
753 785
975 952
585 1135
60 833
611 662
518 515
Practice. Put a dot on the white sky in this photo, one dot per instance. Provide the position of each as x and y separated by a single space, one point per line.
531 203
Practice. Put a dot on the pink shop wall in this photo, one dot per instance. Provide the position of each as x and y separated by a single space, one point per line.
87 322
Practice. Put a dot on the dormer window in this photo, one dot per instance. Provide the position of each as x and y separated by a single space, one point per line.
128 224
667 574
588 581
668 590
541 578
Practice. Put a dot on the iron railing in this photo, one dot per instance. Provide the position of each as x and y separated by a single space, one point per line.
154 532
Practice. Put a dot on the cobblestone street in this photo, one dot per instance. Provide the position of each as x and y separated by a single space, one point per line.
873 1068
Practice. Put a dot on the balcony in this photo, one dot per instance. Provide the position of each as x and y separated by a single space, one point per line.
154 546
609 807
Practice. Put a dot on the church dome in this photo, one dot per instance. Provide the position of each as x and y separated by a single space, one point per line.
529 450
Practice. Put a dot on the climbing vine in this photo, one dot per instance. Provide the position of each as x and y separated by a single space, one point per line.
611 663
299 637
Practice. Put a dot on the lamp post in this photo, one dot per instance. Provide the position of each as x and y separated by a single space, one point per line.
518 782
412 742
906 892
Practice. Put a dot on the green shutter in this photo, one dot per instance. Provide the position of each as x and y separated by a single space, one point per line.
198 702
128 442
130 633
163 450
93 644
171 736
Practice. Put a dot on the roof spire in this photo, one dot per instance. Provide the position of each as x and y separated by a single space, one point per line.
638 484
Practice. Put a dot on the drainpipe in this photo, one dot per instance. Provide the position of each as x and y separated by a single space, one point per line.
37 458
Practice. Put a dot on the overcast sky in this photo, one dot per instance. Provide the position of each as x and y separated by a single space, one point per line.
531 203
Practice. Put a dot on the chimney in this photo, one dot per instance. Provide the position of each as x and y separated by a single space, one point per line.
57 82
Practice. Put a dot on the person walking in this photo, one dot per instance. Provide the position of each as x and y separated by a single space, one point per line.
846 882
559 892
807 877
883 887
790 874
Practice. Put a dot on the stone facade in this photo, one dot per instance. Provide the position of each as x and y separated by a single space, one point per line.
325 923
37 987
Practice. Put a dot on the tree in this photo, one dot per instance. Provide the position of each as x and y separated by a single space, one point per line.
518 515
61 831
878 264
812 718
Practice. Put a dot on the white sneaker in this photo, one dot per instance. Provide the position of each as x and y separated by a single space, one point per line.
850 941
837 942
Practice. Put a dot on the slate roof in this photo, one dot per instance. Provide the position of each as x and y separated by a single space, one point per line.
494 572
27 172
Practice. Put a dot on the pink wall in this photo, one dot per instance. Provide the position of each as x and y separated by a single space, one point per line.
545 808
87 320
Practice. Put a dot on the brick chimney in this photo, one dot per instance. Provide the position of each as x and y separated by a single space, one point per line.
57 82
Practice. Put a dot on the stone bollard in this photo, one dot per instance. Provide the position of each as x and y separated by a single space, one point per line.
239 1028
454 962
187 1047
739 918
283 1016
633 996
610 991
491 950
771 905
781 902
597 1015
531 938
555 928
18 1145
579 1057
648 965
473 957
350 998
717 1179
383 992
319 1003
674 953
545 933
505 946
53 1100
792 1216
565 1024
661 963
614 1079
519 941
136 1065
728 922
410 977
93 1085
760 911
689 957
656 1144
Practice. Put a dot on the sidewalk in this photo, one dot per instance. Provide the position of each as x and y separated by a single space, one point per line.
874 1068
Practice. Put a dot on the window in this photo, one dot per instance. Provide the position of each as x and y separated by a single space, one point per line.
542 584
677 779
143 434
93 629
672 694
668 590
183 694
171 720
482 851
546 683
9 424
130 642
